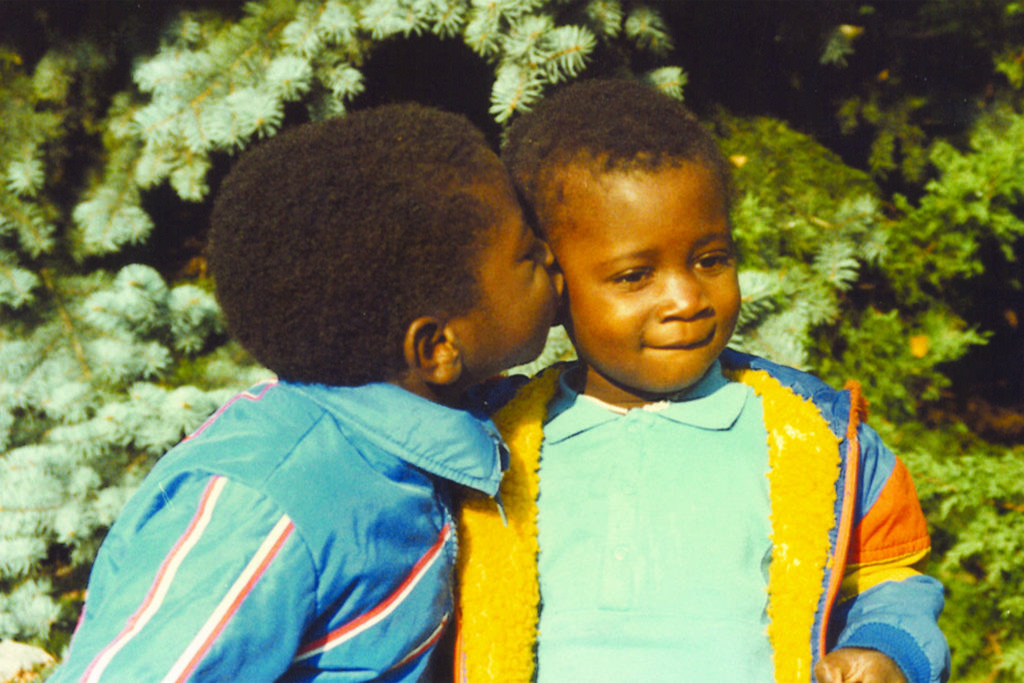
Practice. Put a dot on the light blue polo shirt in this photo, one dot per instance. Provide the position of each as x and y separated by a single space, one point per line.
654 539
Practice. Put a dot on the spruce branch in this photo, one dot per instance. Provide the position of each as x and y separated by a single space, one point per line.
195 318
605 16
449 18
839 45
645 27
25 173
668 79
386 18
28 610
67 322
110 219
565 52
337 23
29 220
760 289
522 43
289 77
836 263
483 29
303 34
535 54
515 88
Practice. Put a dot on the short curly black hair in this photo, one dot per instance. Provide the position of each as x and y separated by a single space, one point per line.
327 240
610 123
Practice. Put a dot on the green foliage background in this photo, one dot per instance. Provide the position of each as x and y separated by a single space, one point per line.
879 157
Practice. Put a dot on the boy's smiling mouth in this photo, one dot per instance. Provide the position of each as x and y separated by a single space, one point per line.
684 345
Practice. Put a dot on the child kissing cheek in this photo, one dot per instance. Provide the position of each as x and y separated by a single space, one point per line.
650 277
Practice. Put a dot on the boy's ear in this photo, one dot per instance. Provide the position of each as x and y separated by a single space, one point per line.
432 352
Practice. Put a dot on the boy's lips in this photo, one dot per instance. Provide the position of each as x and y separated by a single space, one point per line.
686 345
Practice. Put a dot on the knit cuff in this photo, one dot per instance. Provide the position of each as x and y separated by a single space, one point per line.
897 644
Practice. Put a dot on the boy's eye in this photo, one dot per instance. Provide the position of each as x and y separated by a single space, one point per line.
633 276
715 260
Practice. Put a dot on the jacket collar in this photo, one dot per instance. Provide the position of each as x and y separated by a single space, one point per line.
443 441
713 403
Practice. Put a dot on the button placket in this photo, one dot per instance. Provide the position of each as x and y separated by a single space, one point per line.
618 580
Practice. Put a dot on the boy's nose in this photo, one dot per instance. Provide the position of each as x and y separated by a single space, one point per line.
683 297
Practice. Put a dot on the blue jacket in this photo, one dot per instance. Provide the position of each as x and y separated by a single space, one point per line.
303 533
847 525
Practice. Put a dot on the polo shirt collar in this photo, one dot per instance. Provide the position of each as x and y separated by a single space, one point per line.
446 442
714 403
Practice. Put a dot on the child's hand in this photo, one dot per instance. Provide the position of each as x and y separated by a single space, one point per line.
857 665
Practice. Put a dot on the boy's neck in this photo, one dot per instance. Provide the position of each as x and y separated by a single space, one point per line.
624 398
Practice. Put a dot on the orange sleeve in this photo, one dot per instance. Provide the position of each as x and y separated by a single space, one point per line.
894 527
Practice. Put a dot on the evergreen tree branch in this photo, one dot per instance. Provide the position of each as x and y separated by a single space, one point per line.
66 322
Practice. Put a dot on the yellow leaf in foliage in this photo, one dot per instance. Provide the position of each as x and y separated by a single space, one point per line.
919 345
850 31
738 160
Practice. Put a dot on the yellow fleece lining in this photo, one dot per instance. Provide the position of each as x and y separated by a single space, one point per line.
496 572
497 568
803 462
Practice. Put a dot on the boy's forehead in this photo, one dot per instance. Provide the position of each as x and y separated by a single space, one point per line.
585 171
574 189
564 189
573 176
578 180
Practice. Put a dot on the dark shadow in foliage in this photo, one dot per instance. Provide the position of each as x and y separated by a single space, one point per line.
440 73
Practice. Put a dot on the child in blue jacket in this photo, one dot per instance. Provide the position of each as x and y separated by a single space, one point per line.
379 264
677 511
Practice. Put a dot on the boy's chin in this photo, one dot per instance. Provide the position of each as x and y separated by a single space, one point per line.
529 355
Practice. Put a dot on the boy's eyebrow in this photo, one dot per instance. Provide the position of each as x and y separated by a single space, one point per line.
639 253
725 236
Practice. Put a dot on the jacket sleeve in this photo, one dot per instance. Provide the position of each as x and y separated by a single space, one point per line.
205 580
886 602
